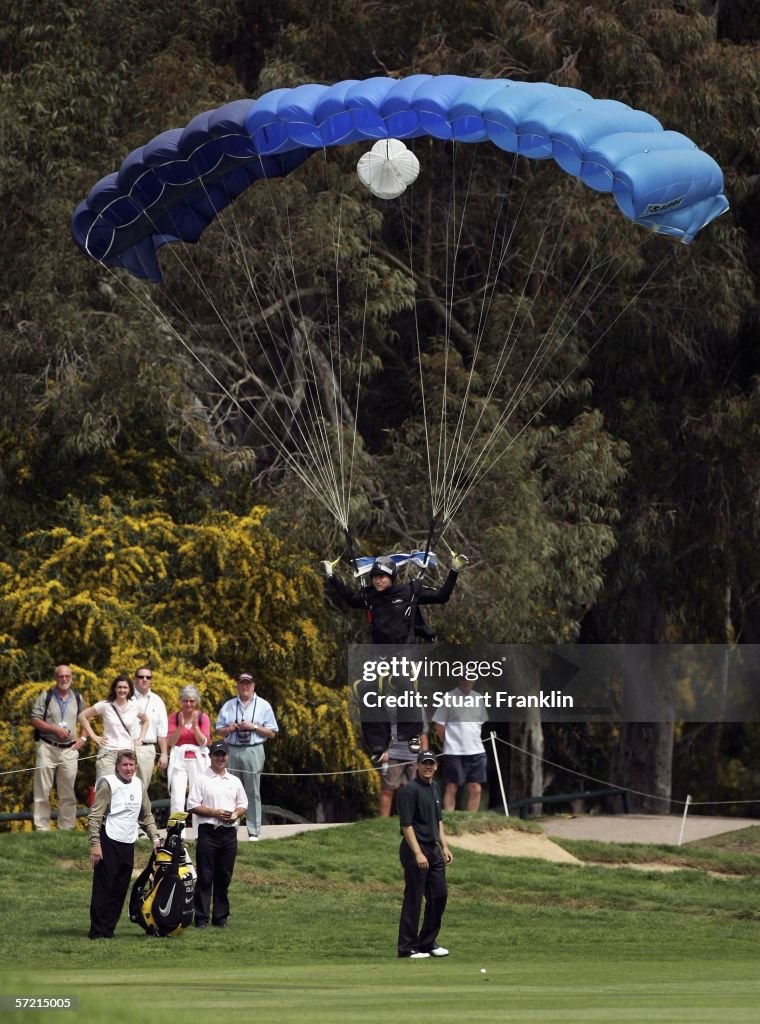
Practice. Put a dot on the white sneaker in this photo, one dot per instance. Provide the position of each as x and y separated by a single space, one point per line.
253 839
418 956
439 951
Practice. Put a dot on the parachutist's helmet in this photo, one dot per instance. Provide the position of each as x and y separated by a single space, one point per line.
383 566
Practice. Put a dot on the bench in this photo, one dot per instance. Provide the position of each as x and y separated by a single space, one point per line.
525 803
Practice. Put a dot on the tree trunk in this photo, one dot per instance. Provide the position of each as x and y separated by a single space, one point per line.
526 774
643 760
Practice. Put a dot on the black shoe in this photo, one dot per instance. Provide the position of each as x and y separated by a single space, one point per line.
201 924
220 924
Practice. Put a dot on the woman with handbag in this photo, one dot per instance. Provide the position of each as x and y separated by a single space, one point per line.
120 714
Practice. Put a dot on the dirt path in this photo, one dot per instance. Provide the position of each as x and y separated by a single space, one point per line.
641 828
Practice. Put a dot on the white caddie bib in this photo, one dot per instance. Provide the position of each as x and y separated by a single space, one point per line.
126 799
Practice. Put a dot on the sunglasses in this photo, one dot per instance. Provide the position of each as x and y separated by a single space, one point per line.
143 677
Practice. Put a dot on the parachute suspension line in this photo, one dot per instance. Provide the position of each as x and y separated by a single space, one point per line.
151 307
503 360
336 364
554 337
188 267
308 448
362 340
315 408
428 545
454 224
334 333
539 360
320 448
324 488
456 456
313 449
408 226
543 354
484 470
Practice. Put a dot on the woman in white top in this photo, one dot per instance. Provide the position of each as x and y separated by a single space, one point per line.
188 739
120 714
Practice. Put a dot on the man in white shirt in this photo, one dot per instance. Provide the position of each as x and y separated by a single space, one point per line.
458 725
158 726
218 800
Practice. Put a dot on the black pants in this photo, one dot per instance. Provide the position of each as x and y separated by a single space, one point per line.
214 861
429 883
110 882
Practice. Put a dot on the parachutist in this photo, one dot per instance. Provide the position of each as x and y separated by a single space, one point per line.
393 612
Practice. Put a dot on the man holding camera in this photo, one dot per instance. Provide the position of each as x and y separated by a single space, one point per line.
54 718
246 722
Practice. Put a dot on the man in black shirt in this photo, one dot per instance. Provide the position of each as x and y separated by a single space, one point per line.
424 855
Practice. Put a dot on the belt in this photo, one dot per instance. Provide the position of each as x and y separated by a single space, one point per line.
215 828
52 743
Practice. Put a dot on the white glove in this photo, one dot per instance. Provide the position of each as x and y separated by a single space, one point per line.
458 562
328 567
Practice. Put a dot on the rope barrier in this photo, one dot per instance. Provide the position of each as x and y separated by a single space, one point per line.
497 739
624 789
245 771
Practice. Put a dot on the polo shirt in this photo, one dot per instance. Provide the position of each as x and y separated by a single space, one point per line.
419 805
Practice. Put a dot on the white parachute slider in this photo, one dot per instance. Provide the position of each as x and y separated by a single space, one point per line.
388 168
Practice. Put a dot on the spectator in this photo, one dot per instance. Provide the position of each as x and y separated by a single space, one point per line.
397 768
458 725
246 722
54 717
120 717
188 739
218 800
121 802
158 726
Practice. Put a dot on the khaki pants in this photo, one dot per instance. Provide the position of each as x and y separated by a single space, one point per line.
55 766
105 763
146 761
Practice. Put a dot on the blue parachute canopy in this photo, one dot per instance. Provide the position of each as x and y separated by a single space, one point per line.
173 187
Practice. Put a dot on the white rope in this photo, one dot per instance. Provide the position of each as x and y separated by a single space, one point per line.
623 789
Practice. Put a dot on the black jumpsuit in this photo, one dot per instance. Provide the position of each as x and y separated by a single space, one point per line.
391 617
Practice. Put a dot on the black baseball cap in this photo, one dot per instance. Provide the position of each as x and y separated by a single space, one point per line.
426 755
218 748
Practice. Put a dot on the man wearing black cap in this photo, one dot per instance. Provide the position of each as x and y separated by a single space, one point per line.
219 800
390 606
424 855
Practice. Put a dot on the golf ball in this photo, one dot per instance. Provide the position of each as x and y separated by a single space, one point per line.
482 970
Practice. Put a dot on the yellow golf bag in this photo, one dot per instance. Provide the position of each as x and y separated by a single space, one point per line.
162 897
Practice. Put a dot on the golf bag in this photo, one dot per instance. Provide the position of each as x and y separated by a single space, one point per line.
162 897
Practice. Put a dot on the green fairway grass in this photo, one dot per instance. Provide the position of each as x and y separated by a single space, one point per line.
313 928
